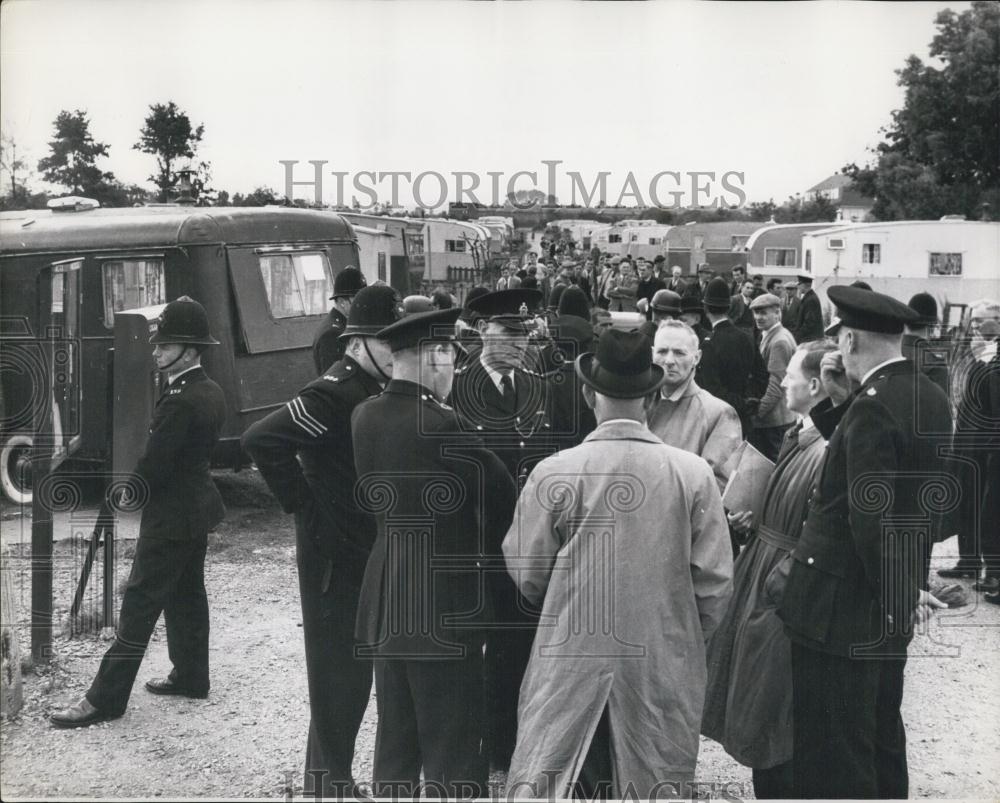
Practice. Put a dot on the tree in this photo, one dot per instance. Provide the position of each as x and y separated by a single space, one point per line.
16 169
262 196
940 151
168 135
72 163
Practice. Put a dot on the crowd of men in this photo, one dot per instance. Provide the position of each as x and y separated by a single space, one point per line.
509 515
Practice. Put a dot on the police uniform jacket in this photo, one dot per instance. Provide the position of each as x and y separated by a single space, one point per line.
728 356
859 561
327 346
437 496
183 502
519 430
809 318
305 453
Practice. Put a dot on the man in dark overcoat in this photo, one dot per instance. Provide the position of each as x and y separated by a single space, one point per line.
808 323
305 454
181 505
859 568
438 496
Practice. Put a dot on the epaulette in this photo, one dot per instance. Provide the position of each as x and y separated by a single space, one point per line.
530 372
427 397
340 373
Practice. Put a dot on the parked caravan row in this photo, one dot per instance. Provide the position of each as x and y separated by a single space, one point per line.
263 274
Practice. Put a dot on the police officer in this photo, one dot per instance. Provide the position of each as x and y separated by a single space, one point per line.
438 496
857 573
505 398
305 454
808 323
327 346
182 504
665 305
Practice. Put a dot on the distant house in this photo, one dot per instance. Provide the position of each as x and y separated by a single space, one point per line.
852 206
722 245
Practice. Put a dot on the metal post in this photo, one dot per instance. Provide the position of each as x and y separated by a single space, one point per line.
41 531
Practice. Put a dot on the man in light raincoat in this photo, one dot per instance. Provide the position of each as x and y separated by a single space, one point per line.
623 542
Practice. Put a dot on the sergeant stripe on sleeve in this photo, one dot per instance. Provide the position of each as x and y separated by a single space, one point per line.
302 417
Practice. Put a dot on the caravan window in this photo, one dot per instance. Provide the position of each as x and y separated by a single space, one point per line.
296 284
780 257
130 284
871 254
455 246
945 265
381 266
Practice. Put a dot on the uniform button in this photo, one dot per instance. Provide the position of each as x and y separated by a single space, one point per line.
811 561
423 396
522 444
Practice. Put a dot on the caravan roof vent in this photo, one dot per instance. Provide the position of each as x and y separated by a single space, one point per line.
953 217
72 203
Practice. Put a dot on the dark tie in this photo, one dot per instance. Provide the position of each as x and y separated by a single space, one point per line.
507 391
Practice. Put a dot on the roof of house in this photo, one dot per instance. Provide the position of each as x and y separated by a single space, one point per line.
836 181
848 195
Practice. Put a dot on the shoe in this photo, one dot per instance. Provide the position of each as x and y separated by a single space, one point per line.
167 686
988 584
959 572
80 715
993 597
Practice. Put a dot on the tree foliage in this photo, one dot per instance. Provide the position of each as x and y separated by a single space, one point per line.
168 135
72 162
262 196
941 152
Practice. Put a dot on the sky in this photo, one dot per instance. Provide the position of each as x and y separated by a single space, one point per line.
783 94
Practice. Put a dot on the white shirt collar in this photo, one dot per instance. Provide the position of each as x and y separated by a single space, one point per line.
771 328
175 377
880 366
807 423
497 376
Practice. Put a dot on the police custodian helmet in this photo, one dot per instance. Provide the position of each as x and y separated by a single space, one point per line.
185 322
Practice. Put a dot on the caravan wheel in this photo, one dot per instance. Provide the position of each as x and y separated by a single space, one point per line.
15 469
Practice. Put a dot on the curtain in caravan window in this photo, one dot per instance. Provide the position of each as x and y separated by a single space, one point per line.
296 284
131 284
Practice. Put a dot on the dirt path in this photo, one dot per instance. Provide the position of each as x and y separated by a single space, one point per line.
248 738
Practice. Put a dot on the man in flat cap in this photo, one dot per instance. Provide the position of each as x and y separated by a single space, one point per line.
438 497
504 398
182 505
790 306
859 568
327 346
623 542
305 454
772 417
808 323
930 358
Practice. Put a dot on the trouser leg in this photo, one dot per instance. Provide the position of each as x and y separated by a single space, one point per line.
339 683
448 700
774 783
155 569
990 520
596 779
890 735
834 705
186 616
396 771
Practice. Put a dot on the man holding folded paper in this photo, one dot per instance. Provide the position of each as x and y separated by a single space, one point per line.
748 704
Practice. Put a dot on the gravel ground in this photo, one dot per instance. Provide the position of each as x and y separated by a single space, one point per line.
248 739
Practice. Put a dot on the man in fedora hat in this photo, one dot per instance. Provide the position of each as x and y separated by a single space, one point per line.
438 496
327 346
629 534
727 354
855 583
929 358
181 505
305 454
